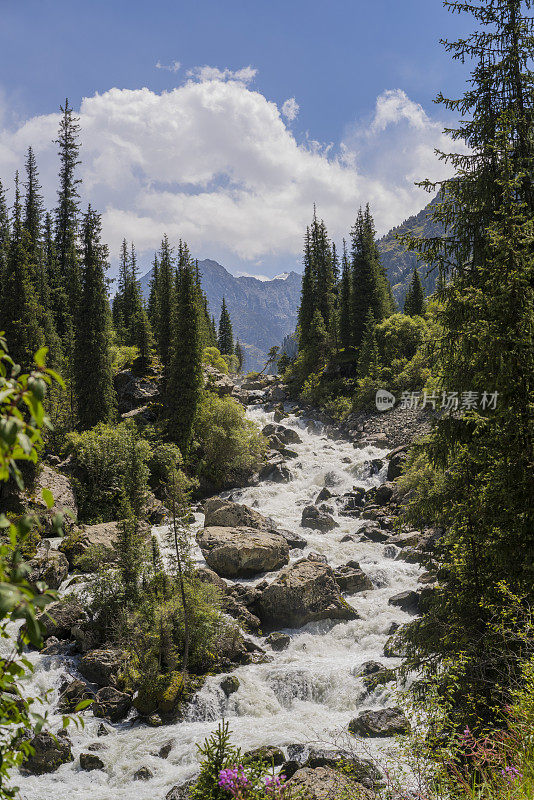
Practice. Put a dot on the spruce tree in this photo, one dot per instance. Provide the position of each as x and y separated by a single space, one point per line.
67 209
484 450
345 293
323 269
165 302
5 233
239 355
307 296
226 337
33 208
152 306
368 359
414 303
317 348
119 301
184 385
95 394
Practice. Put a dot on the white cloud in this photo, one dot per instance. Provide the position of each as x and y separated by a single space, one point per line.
290 109
245 75
213 162
174 66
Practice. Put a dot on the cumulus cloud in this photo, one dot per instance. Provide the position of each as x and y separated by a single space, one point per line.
174 66
214 162
290 109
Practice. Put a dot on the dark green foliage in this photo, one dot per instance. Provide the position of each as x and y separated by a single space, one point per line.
368 359
225 340
4 233
239 355
130 318
33 208
96 401
369 285
345 294
414 304
486 454
164 304
185 370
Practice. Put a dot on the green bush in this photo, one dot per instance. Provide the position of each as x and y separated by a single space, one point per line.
338 407
232 362
122 356
110 464
228 446
399 336
213 358
165 460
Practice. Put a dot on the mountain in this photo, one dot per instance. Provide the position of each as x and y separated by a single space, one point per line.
399 264
262 312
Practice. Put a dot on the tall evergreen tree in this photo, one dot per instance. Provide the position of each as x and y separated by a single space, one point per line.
165 301
323 268
345 293
67 209
239 355
485 452
368 359
119 301
226 336
414 303
184 384
33 208
95 394
5 232
307 296
152 306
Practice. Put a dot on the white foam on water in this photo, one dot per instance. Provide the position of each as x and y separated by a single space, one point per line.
309 692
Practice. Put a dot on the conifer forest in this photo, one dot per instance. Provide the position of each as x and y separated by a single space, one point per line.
312 580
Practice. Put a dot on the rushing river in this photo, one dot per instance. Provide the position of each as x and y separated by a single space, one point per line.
307 693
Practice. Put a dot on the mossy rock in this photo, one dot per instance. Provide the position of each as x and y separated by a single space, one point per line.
161 694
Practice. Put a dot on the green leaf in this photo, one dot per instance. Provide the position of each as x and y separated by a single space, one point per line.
40 356
48 497
83 704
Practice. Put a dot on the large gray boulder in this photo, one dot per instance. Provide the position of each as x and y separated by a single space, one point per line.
385 722
49 566
50 752
304 592
241 552
63 494
75 692
361 770
351 578
325 783
101 666
226 514
315 518
111 704
286 435
59 618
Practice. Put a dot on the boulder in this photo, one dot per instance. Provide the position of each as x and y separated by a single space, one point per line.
239 611
286 435
372 532
397 460
385 722
332 478
276 473
351 578
50 752
75 692
49 566
59 618
207 575
102 665
279 393
303 592
294 540
103 535
221 513
181 792
230 685
361 770
268 754
63 494
313 517
324 494
370 668
384 493
407 601
164 750
111 704
55 647
133 391
143 774
325 783
234 552
278 641
88 762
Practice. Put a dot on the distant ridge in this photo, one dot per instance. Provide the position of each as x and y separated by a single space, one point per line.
262 312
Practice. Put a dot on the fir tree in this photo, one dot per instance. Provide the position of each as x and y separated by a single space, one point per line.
368 360
67 209
96 401
239 355
152 306
226 336
184 384
33 208
119 301
307 297
345 293
414 304
5 233
165 302
317 348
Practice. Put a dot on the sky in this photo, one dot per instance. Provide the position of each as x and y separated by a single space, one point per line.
222 123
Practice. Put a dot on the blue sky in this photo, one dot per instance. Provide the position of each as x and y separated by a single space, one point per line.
215 155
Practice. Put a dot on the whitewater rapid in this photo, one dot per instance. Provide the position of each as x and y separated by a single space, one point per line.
307 693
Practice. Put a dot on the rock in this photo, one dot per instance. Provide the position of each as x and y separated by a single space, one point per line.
59 618
111 703
104 536
325 783
390 551
268 754
133 391
143 774
349 537
351 578
102 730
361 770
370 668
313 518
294 540
385 722
324 494
384 493
407 539
75 692
206 575
55 647
289 768
278 641
165 750
97 746
286 435
221 513
181 792
332 479
276 473
239 611
303 592
50 752
373 533
154 721
397 460
64 498
234 552
101 666
154 510
407 601
230 685
49 566
88 762
278 393
379 679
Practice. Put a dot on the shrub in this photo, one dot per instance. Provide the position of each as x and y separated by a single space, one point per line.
165 460
338 407
232 362
213 358
122 356
228 446
399 336
110 464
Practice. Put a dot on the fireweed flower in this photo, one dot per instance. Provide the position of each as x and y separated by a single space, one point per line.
234 781
274 785
511 773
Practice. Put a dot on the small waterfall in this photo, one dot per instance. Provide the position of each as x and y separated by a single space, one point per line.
308 692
